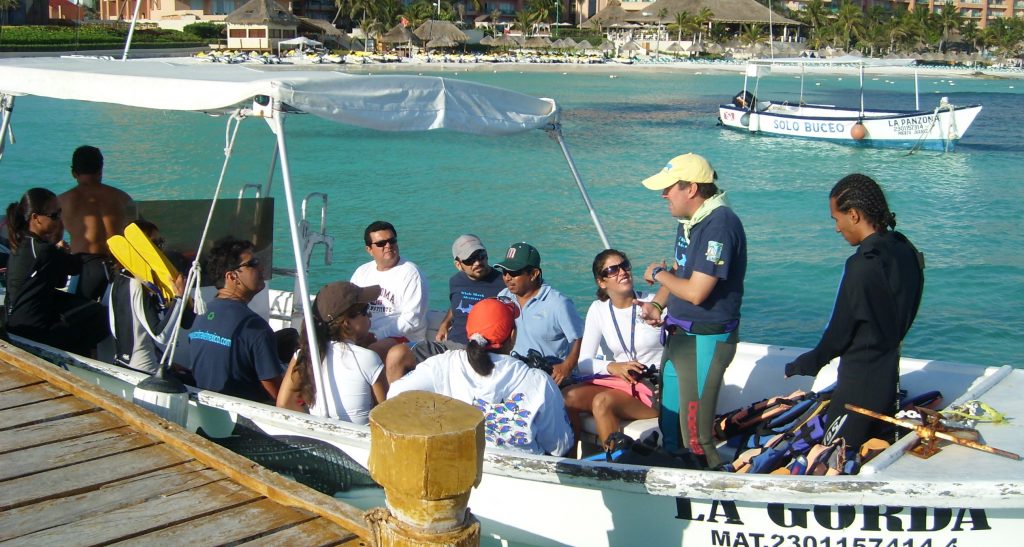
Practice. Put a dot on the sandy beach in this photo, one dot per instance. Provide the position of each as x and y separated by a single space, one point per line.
687 67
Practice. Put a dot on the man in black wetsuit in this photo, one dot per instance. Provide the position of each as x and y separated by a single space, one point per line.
877 301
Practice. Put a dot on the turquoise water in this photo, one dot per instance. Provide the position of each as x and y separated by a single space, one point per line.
963 210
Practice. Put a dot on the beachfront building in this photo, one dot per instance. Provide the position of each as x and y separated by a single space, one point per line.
260 25
646 24
980 11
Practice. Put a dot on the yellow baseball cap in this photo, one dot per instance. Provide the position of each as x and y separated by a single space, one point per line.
688 167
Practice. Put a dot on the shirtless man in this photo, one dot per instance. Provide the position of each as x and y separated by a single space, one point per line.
93 212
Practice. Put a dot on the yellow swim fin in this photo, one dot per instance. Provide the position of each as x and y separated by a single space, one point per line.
132 261
163 271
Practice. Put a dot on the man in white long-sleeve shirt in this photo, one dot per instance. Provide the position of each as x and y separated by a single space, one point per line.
399 315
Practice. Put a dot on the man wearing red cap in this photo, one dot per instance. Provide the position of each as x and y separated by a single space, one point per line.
522 407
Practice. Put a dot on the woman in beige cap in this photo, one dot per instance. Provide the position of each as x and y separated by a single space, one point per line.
353 377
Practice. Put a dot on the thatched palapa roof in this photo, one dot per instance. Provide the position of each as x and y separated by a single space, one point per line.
725 11
261 12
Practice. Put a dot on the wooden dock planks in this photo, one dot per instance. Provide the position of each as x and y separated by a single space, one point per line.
74 473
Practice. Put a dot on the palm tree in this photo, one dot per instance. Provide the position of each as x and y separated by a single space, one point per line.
949 19
849 23
969 31
703 17
682 23
814 14
5 6
752 34
525 20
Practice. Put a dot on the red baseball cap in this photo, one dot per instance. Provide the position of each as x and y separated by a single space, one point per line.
492 319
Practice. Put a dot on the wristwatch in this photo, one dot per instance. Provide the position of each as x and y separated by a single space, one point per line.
656 271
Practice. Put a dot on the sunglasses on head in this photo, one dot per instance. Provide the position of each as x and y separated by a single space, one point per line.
251 263
474 258
385 242
614 269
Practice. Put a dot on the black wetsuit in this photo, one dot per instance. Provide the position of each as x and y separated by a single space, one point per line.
878 299
38 310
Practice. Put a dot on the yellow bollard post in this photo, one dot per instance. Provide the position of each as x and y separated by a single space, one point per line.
426 450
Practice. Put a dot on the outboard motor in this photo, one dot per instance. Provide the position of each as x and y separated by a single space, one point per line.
744 99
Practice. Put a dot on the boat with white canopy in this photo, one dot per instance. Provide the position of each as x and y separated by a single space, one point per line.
958 497
938 129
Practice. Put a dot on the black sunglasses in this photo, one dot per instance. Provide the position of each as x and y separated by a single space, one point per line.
251 263
474 258
52 216
357 310
614 269
517 273
385 242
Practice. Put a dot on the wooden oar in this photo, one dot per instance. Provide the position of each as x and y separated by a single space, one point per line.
926 432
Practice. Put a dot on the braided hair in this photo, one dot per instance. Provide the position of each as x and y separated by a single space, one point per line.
861 192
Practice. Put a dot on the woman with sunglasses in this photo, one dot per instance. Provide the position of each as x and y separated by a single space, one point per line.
353 379
618 388
522 407
38 268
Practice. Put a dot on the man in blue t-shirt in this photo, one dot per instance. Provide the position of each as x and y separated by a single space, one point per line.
701 292
233 349
548 322
474 281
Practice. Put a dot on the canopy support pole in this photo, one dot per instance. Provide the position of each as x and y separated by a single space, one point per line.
277 126
7 110
131 31
862 90
555 132
193 278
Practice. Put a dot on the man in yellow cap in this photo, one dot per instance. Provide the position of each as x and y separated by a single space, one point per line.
698 303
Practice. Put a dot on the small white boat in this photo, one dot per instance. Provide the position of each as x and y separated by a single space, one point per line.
937 129
958 497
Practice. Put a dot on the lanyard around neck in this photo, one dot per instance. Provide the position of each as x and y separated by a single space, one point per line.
631 350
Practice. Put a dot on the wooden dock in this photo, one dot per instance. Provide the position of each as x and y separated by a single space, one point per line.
79 466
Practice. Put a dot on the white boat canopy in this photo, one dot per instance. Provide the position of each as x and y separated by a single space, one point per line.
383 102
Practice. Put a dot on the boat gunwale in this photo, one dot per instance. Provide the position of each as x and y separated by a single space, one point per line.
681 483
845 118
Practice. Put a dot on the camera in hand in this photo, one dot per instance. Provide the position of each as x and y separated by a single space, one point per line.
535 359
650 372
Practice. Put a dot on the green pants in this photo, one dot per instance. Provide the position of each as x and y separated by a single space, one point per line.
692 369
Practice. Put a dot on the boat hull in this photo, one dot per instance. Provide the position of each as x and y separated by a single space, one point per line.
900 501
930 130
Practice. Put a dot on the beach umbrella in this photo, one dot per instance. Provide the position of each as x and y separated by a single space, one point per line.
674 48
716 49
441 42
399 34
631 46
558 44
432 30
606 46
487 41
584 45
568 42
537 41
504 41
